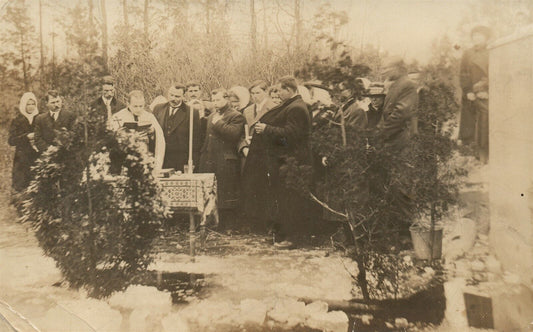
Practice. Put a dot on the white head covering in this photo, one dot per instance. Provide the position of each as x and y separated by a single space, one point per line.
321 96
305 94
243 94
22 106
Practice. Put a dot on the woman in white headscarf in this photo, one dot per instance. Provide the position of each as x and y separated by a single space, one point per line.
239 98
21 137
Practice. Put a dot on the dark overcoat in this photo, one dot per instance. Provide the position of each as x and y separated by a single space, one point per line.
176 130
398 108
286 135
219 154
25 155
45 127
99 107
474 68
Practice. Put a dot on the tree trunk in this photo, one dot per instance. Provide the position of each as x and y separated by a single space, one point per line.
146 20
298 23
265 26
41 42
23 62
253 28
104 33
91 7
207 17
125 11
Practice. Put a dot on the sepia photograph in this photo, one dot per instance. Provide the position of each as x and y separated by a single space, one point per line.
266 165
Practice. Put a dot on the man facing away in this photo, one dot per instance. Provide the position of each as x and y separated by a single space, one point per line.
56 118
174 118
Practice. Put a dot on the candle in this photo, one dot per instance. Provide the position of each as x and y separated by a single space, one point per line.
246 131
191 125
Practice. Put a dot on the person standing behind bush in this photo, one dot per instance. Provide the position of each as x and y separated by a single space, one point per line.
399 106
136 118
21 136
46 124
225 127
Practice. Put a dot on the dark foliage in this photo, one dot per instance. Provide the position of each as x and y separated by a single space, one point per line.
98 228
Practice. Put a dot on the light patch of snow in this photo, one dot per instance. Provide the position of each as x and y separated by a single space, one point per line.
97 314
333 321
174 322
459 239
142 297
455 313
253 311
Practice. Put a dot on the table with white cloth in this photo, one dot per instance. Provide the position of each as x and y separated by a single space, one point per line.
195 194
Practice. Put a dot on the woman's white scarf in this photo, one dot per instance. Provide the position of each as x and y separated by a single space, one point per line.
22 106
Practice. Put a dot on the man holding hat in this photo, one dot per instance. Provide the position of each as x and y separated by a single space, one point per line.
474 83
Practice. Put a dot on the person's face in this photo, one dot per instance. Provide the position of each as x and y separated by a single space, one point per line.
479 39
108 91
194 92
30 106
219 101
54 103
285 93
175 96
258 94
136 105
377 101
235 102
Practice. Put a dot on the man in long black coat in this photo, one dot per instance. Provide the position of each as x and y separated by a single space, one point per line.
225 127
174 118
281 133
399 106
474 79
57 118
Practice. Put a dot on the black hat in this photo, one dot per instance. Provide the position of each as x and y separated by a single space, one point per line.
484 30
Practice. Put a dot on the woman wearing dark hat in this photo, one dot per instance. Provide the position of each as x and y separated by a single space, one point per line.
474 83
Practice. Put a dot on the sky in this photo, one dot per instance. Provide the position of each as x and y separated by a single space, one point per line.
402 27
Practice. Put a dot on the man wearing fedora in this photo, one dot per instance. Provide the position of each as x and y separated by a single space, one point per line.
474 83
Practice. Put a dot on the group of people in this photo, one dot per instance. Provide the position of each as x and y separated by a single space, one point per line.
242 135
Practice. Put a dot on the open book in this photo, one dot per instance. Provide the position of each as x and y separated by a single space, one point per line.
137 126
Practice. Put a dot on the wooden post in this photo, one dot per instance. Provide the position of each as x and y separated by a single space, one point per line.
192 226
192 235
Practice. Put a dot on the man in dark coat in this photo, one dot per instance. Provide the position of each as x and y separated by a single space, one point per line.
396 128
281 133
174 117
474 79
46 124
107 104
399 106
219 152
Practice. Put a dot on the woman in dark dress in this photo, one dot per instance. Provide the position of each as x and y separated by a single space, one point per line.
21 137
